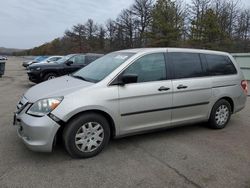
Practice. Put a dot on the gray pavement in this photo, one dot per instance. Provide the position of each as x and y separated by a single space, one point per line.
190 156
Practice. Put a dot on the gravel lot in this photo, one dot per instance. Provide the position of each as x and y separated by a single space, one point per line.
190 156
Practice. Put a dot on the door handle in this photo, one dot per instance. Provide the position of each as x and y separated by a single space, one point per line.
181 87
163 88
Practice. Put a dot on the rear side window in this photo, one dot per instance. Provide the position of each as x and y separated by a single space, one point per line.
186 65
220 65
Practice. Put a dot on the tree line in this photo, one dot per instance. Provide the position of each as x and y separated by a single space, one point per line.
209 24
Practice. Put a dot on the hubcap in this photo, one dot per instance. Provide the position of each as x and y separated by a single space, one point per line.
89 137
221 115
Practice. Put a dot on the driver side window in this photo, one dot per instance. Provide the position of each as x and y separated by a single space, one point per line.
79 59
148 68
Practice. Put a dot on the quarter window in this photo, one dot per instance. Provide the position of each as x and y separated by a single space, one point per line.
186 65
148 68
220 65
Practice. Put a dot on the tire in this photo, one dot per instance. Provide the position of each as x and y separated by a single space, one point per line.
220 114
86 135
49 76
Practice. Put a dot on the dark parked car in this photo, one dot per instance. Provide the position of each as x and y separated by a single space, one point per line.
36 60
68 64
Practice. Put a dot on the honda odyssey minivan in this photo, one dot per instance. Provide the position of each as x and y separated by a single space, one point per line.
129 92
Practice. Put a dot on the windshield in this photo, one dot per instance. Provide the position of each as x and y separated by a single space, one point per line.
102 67
64 58
40 58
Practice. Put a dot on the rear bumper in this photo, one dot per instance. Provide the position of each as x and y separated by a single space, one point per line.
240 103
37 133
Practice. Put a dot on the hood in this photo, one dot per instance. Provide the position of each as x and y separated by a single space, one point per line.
46 62
55 88
30 62
42 62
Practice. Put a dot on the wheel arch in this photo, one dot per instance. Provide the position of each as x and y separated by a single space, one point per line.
44 73
101 112
230 100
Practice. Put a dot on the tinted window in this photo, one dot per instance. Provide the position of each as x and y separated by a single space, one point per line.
149 68
78 59
186 65
220 65
54 59
90 59
64 59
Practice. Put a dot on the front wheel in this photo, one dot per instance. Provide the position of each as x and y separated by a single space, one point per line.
49 76
220 114
86 135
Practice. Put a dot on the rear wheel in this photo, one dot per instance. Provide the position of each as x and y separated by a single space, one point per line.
49 76
220 114
86 135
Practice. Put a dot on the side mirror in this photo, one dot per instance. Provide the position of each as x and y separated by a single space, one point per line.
128 78
69 63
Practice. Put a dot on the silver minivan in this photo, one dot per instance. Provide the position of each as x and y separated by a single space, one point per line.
129 92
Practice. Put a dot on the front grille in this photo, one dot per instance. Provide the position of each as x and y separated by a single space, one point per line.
22 104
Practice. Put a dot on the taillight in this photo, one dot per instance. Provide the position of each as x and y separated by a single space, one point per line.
244 86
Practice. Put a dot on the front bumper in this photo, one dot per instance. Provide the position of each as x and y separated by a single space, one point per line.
37 133
34 76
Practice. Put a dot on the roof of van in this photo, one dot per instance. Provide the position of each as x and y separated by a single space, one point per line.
140 50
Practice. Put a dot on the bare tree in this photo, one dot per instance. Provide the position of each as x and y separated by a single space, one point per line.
233 13
77 35
142 10
101 37
126 22
197 10
243 25
111 32
91 28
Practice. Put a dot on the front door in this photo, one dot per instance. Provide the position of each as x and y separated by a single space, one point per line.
77 63
146 104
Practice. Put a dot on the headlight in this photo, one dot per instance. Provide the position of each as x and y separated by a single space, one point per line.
44 106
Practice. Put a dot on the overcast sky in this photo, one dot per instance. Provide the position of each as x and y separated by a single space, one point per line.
30 23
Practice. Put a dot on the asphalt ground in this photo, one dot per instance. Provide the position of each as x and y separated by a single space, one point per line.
190 156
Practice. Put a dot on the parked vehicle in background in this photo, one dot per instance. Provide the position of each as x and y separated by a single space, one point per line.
129 92
37 59
50 59
66 65
3 58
